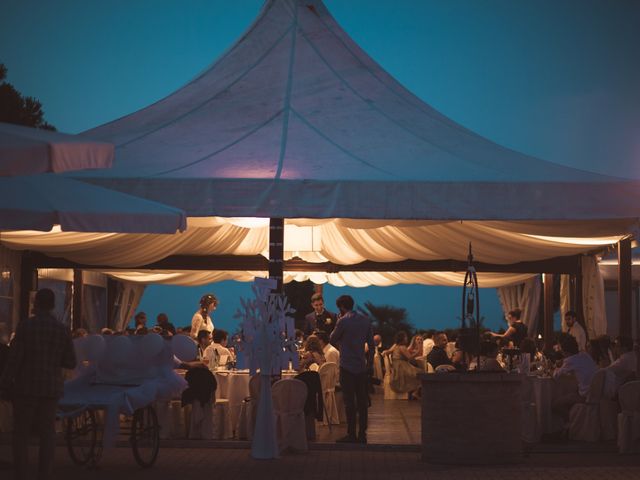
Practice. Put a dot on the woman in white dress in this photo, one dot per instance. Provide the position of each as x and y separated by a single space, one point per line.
202 318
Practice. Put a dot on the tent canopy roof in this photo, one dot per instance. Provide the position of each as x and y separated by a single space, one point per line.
295 120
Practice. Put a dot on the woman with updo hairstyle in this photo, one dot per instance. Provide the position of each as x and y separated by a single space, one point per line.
202 318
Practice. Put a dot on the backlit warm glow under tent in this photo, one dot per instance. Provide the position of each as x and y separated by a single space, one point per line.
295 121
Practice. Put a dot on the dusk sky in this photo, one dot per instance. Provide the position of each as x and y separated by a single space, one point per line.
557 79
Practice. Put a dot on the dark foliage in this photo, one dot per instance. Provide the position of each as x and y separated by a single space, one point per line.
388 320
18 109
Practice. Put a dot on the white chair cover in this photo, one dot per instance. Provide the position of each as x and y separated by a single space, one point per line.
328 378
289 396
596 418
629 417
201 421
222 424
389 394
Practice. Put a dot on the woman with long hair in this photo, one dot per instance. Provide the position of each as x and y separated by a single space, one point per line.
404 376
313 353
202 318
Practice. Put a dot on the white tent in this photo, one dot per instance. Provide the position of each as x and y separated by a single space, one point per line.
296 121
27 151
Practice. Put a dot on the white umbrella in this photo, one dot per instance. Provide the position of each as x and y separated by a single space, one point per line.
38 202
26 151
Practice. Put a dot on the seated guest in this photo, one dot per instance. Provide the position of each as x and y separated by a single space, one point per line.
331 353
625 367
313 353
581 365
140 321
299 340
217 349
438 355
203 339
517 330
600 350
489 357
162 321
416 346
427 344
404 376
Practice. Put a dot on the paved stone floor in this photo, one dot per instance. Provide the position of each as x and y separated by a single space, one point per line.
353 464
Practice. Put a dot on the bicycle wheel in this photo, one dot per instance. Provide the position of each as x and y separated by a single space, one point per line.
81 436
145 436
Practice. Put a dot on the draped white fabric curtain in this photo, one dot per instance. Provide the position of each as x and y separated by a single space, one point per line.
565 298
129 296
526 297
593 305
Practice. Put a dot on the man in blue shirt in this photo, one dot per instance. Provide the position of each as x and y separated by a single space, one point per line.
350 335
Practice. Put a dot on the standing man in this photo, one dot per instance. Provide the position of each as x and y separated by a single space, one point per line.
575 330
32 378
320 319
352 332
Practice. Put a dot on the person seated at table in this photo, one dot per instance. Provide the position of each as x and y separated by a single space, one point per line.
517 330
140 321
489 357
299 338
217 349
404 376
600 350
167 328
312 354
624 368
203 339
416 346
438 355
577 363
331 353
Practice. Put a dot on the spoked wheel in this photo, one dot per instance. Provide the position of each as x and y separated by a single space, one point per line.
81 436
145 436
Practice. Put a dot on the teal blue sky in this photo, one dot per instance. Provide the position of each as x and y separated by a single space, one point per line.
557 79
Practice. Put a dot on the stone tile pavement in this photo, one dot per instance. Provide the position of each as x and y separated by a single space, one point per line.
339 464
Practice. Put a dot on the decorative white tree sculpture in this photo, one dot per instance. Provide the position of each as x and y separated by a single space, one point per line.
268 344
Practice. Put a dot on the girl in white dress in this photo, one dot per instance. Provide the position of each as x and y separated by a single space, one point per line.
202 318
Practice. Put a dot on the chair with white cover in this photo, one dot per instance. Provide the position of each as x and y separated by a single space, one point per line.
389 394
248 410
629 417
329 378
289 396
596 418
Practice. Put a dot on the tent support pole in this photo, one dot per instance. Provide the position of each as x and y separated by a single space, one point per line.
112 291
624 286
548 310
76 319
276 251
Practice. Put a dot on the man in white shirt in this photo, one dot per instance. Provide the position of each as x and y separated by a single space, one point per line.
331 353
428 343
579 364
217 349
575 330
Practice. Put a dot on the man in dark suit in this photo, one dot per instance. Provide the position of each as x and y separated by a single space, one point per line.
33 380
320 318
438 355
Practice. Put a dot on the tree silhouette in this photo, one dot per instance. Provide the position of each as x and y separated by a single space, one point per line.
18 109
388 320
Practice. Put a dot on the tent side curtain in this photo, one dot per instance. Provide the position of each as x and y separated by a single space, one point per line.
526 298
